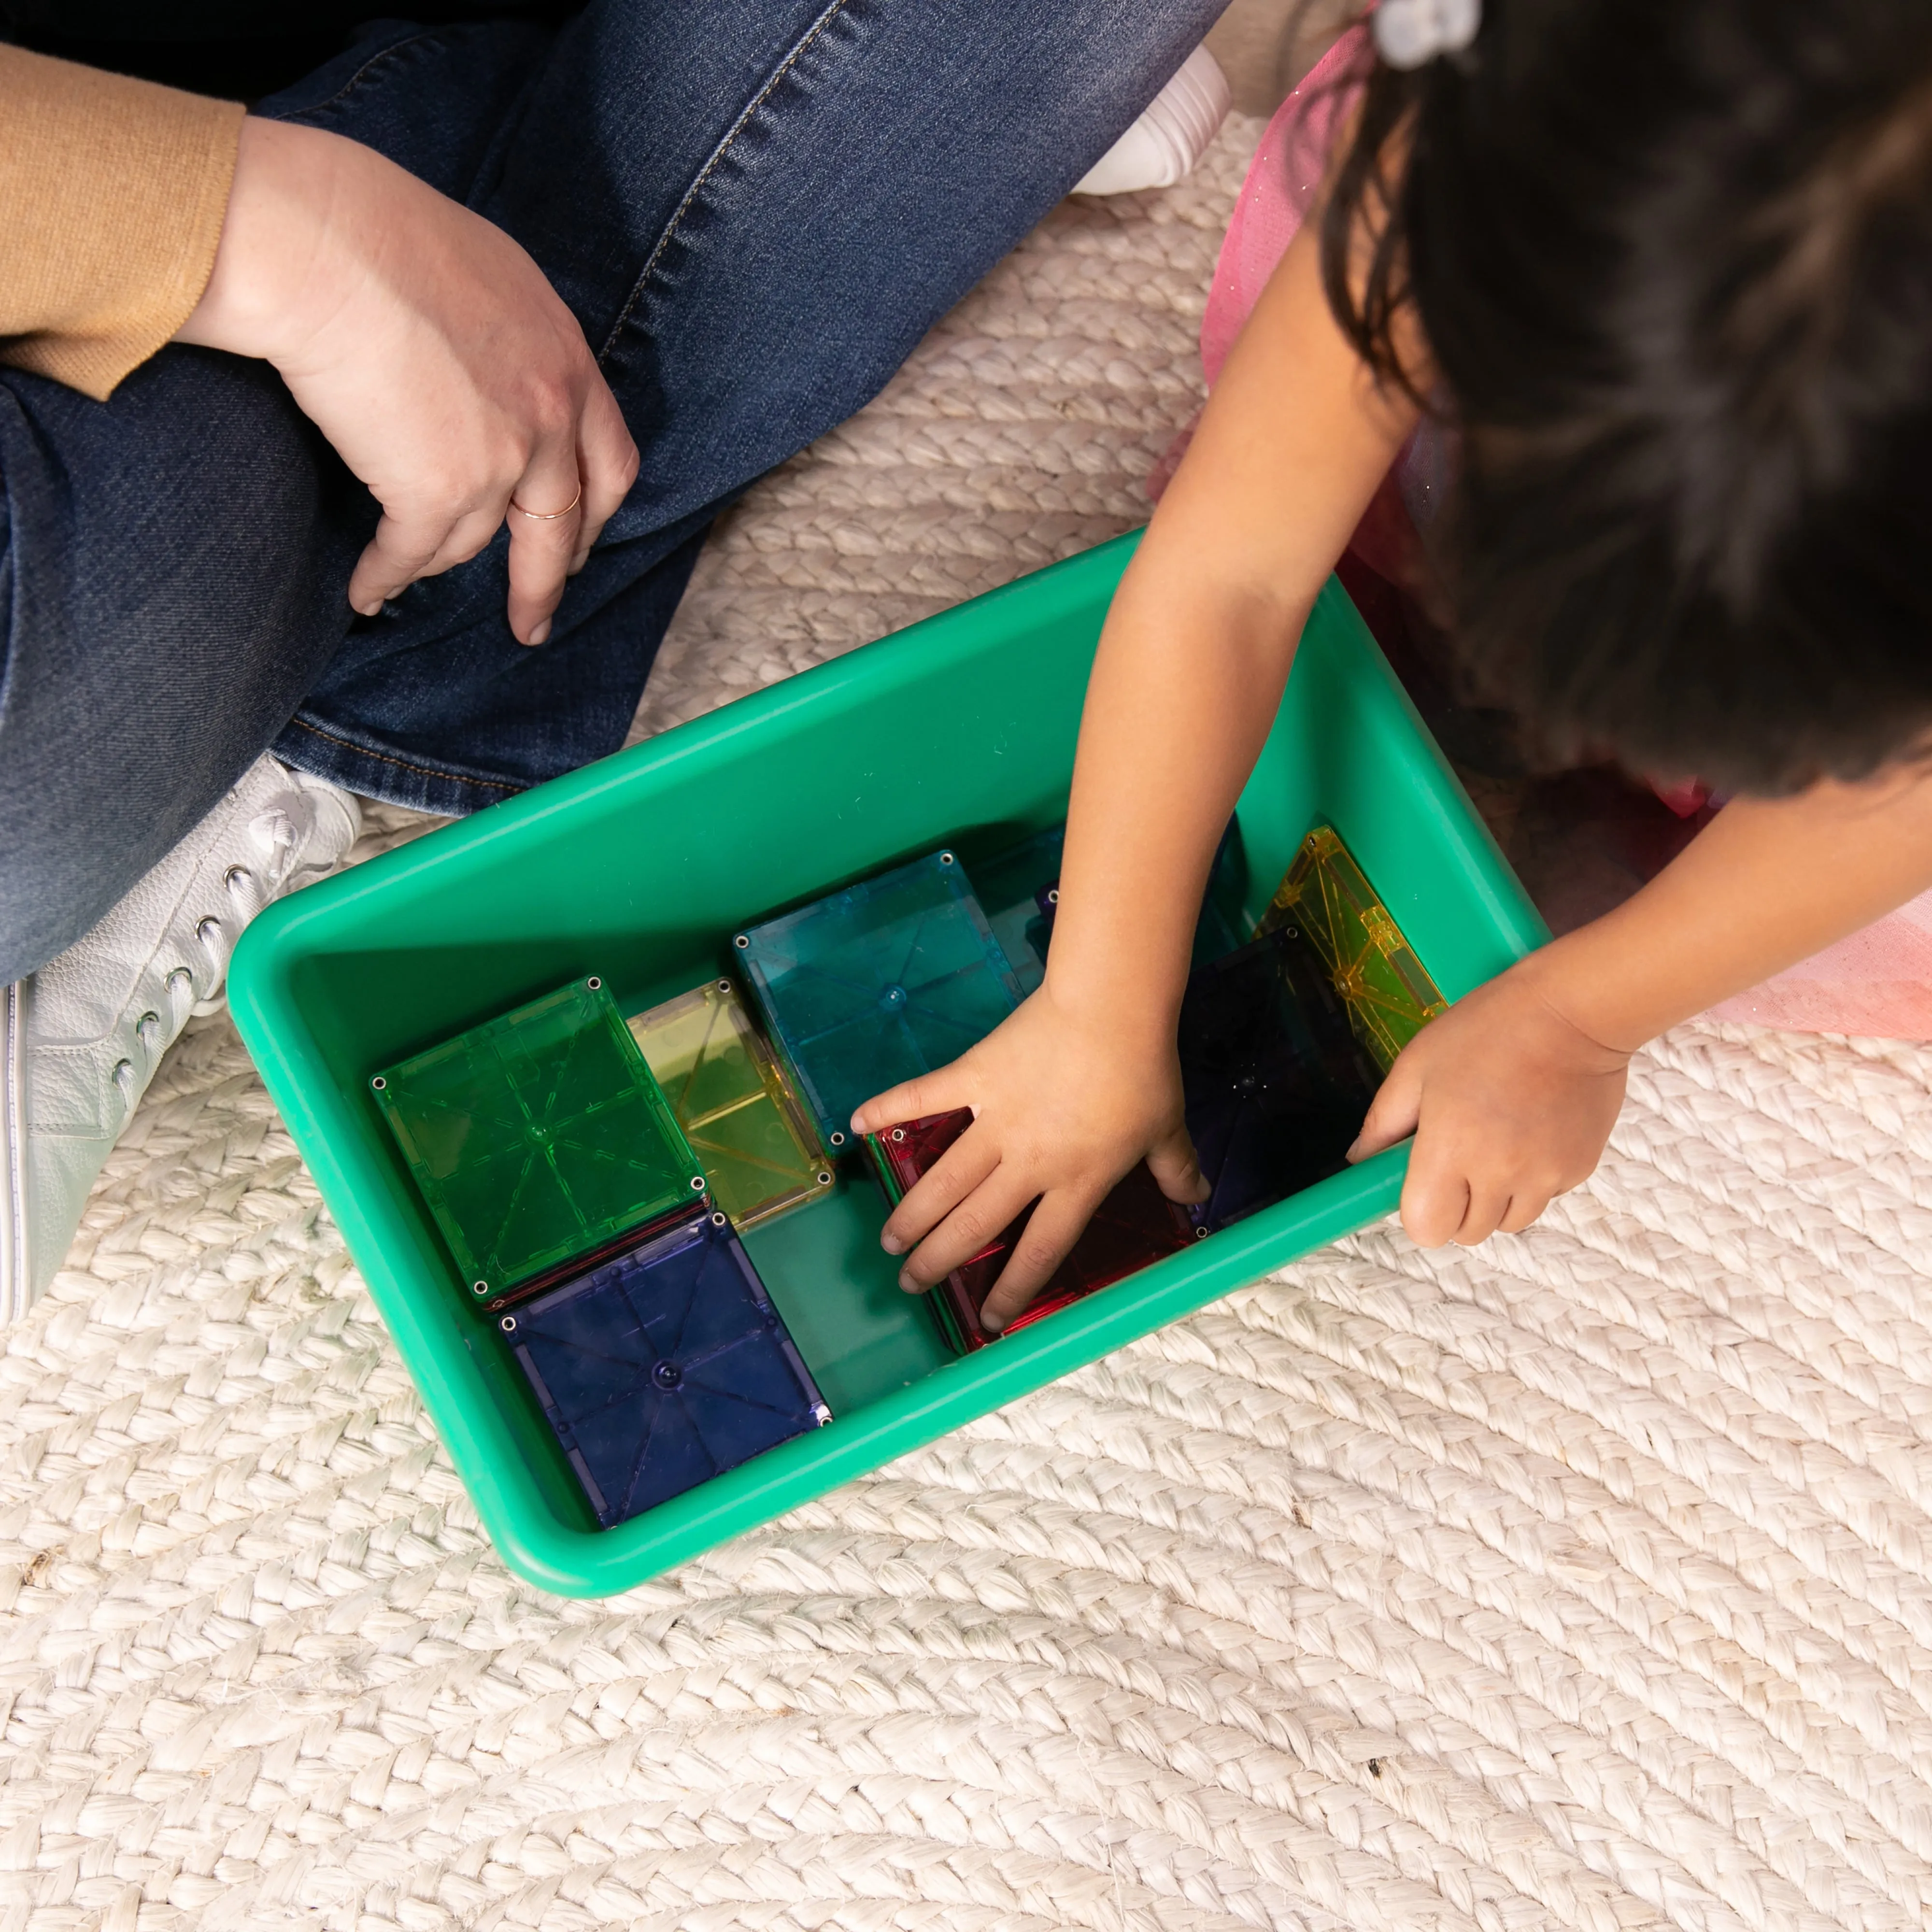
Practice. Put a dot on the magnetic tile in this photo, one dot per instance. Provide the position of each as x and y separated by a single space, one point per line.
581 1263
664 1368
1136 1226
1276 1085
537 1137
759 1154
1388 993
1222 924
1017 888
903 1153
886 980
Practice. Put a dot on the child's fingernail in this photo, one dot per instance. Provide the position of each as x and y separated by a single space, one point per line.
540 635
1355 1151
892 1244
907 1282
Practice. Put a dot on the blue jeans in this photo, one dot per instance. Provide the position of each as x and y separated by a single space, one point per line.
755 208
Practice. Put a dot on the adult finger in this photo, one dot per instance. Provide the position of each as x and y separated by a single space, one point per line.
545 511
406 544
1055 1226
965 1164
942 1092
606 459
469 534
972 1228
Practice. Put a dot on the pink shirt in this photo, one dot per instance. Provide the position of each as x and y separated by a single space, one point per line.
1877 982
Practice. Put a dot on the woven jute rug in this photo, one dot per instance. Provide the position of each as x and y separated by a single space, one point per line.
1579 1581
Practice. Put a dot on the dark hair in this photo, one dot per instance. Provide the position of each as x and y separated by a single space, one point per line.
1672 262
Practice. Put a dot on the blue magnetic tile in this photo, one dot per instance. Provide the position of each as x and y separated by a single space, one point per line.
664 1368
1275 1084
878 984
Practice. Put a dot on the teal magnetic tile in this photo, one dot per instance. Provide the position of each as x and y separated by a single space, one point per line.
878 984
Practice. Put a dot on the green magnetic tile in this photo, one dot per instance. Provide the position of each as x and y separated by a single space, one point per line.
759 1152
537 1137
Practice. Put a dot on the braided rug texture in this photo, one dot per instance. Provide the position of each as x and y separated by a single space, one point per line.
1584 1580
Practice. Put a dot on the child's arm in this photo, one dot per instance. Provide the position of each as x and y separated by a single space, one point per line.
1083 1081
1512 1094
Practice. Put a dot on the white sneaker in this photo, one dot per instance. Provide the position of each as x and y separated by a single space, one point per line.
80 1039
1161 147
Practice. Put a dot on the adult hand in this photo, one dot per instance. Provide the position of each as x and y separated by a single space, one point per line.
1511 1103
1064 1103
431 351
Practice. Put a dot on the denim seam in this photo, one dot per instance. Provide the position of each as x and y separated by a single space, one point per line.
711 161
403 764
361 73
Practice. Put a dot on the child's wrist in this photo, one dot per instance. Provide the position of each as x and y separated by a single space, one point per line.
1572 984
1135 1016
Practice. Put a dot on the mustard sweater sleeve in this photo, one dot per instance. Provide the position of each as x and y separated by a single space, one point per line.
112 196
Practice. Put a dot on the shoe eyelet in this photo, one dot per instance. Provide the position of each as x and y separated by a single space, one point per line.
180 980
146 1027
208 930
235 875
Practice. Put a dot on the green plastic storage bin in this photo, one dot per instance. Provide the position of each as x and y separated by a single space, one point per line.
958 732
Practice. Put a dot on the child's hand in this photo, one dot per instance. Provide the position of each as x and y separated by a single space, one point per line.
1510 1103
1063 1107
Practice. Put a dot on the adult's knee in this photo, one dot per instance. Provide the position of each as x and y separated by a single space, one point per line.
173 562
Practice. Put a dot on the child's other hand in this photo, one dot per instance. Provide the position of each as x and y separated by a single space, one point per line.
1511 1103
1063 1107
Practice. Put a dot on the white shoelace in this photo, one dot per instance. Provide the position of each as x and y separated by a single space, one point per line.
246 898
154 1033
